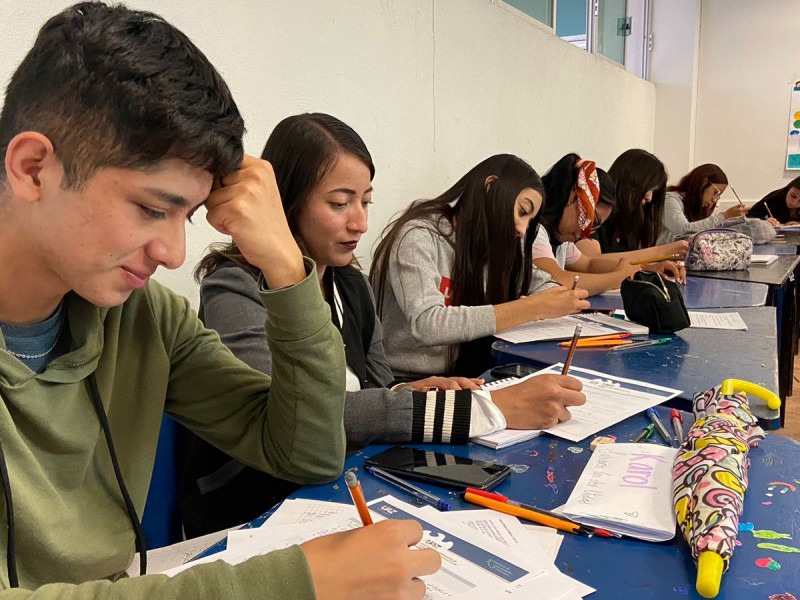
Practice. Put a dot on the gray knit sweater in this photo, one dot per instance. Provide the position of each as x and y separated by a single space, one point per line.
675 223
418 325
231 305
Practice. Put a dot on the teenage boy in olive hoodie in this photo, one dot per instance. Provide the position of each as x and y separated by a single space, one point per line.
115 129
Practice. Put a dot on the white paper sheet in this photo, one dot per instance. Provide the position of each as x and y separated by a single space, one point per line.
710 320
609 400
563 328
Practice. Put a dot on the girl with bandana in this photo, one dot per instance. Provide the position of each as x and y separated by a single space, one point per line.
452 271
577 202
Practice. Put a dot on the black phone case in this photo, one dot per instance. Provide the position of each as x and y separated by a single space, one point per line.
491 480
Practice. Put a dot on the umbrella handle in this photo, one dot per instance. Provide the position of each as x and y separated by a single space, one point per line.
709 574
730 386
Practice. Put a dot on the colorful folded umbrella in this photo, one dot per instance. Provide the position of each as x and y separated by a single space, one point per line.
710 476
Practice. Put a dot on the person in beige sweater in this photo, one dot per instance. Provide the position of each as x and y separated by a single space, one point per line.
115 129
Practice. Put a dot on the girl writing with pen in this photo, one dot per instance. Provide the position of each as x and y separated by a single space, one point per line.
780 207
691 205
452 271
324 173
580 198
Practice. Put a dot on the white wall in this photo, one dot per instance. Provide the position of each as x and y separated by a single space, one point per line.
749 58
674 69
433 86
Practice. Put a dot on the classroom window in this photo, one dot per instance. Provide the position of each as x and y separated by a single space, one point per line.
616 29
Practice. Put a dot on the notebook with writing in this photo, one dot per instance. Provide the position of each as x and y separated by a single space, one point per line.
627 489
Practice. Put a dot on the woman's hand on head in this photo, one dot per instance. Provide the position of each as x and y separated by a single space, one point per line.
539 402
247 206
737 210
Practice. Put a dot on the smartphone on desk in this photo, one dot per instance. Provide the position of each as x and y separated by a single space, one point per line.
513 370
437 467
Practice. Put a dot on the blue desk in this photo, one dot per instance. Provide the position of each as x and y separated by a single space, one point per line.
627 568
780 277
781 249
702 293
696 360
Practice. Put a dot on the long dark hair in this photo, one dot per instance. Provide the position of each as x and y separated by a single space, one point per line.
781 193
691 188
302 150
635 172
558 183
491 266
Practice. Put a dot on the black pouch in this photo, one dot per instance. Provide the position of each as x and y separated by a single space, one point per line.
651 300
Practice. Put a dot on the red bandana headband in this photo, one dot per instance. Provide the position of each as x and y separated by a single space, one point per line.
587 191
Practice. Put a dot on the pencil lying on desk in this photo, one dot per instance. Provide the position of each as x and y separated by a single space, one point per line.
600 343
656 259
510 507
599 338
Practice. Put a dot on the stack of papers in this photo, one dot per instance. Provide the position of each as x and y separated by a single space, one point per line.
627 489
763 259
484 553
563 328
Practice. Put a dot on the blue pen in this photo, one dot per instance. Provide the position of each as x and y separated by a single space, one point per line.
411 489
653 415
656 342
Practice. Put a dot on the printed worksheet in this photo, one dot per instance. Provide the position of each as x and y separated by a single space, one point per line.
609 400
710 320
564 327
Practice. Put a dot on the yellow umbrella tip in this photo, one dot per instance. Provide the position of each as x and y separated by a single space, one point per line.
709 574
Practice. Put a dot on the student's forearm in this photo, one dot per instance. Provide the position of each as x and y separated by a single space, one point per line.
597 283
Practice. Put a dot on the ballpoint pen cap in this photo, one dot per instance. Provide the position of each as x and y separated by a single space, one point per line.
675 414
709 574
443 505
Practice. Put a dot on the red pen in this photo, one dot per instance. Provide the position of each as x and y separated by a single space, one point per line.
584 529
677 424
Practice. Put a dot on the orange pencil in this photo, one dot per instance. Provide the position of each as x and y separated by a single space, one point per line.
598 338
524 513
358 497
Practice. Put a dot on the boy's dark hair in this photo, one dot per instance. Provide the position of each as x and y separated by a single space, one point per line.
115 87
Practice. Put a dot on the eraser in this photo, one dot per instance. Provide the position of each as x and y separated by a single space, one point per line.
600 439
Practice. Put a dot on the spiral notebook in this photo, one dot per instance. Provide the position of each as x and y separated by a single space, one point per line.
505 437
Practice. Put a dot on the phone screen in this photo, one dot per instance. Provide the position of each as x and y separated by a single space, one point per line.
437 467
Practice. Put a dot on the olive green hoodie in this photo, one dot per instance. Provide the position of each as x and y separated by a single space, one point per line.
152 355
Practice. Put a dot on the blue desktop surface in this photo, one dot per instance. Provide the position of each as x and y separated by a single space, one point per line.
695 360
702 293
545 472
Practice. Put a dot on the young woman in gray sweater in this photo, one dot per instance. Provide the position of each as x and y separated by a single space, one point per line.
452 271
324 174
